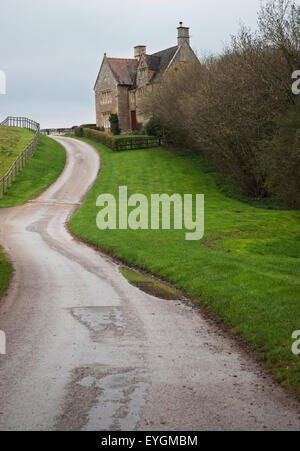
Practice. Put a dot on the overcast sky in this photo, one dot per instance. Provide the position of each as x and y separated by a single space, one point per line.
51 50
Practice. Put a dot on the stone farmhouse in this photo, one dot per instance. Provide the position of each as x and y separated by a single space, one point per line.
121 83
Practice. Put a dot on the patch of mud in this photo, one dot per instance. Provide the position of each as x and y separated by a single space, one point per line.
150 285
100 319
103 400
155 290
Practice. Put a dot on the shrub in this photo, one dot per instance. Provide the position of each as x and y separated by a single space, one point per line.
119 143
139 132
78 131
94 127
114 124
281 158
154 127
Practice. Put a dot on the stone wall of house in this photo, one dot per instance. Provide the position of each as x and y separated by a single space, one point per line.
123 108
106 95
185 54
141 92
132 99
144 74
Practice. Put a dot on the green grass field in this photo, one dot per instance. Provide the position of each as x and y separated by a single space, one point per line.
39 173
12 141
247 267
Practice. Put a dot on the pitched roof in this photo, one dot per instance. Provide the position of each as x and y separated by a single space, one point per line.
124 70
165 57
153 62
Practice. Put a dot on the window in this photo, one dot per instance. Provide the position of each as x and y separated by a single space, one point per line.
143 74
106 97
106 123
132 97
141 91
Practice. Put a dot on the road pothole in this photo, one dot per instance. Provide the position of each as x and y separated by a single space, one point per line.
150 286
34 227
103 399
100 320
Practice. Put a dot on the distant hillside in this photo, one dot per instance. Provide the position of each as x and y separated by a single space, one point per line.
12 141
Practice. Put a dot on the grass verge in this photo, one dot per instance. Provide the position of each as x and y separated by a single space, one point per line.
12 141
5 272
247 267
39 173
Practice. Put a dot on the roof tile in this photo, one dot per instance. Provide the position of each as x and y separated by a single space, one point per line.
124 70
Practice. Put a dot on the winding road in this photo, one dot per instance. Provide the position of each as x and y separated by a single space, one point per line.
88 351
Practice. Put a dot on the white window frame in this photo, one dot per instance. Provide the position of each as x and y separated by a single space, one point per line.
106 123
106 97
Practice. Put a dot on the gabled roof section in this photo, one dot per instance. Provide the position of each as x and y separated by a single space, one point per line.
160 61
165 57
153 62
124 70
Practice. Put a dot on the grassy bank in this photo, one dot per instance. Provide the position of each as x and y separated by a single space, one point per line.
12 141
5 272
247 267
39 173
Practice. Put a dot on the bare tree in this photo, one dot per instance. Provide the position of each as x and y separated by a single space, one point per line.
279 25
227 107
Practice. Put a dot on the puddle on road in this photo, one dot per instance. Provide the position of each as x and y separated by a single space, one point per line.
34 227
150 286
100 319
120 403
104 401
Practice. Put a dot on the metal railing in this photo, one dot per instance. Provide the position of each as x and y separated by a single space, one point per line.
21 160
57 131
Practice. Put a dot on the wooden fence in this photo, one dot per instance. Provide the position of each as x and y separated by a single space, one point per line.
141 142
23 157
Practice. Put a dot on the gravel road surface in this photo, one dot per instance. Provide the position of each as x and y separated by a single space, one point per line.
88 351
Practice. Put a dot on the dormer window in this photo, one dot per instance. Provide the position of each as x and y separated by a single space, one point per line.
143 73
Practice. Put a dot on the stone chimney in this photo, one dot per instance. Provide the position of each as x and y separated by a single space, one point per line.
139 50
183 34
